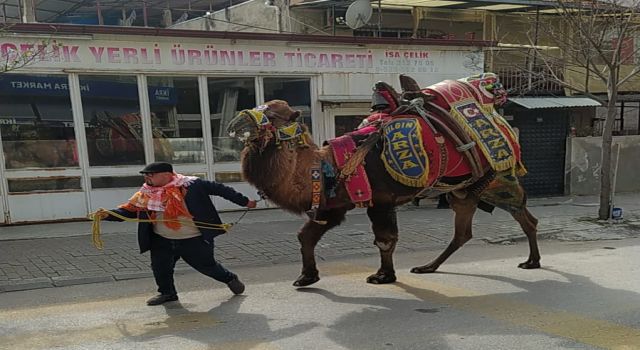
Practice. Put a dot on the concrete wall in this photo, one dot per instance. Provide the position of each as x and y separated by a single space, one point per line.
584 169
250 16
262 18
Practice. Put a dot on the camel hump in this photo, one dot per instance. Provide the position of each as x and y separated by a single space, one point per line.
280 109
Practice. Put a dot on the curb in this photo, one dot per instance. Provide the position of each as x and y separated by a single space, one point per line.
64 281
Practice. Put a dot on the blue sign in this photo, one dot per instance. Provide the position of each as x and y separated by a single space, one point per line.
24 85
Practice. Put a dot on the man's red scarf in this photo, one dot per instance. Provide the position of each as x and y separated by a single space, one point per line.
168 199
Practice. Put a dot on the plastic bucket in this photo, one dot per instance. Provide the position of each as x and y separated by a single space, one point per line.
616 213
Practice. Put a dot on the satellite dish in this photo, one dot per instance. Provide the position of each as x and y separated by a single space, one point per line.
358 14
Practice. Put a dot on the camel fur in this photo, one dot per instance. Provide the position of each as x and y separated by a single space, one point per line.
281 171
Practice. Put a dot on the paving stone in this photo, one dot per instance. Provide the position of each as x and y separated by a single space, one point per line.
272 239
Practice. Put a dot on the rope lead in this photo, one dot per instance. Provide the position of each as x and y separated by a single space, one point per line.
99 244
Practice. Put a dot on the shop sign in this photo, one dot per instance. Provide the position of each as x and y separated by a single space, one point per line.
170 56
28 85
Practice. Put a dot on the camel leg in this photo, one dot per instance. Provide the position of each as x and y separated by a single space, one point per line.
309 235
529 225
464 210
385 228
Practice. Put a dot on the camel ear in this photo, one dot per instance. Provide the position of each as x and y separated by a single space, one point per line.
295 115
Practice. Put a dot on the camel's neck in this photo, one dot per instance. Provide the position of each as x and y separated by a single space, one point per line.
283 174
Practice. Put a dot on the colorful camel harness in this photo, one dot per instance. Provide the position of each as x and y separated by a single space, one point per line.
295 135
414 151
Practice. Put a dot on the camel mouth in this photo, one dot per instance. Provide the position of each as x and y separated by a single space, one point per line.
242 127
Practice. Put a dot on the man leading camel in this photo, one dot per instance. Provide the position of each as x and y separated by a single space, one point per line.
175 203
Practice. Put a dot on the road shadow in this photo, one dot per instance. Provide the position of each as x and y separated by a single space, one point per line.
222 327
427 319
371 323
576 293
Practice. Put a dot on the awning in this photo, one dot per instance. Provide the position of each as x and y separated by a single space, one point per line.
490 5
554 102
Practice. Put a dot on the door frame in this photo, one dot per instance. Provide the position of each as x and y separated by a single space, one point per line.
4 205
332 113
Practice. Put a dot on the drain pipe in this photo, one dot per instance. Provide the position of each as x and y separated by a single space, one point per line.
270 4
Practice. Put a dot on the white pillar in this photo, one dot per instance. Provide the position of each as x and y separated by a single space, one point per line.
28 11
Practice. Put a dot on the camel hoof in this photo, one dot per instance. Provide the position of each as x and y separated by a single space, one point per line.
304 281
381 278
527 265
424 269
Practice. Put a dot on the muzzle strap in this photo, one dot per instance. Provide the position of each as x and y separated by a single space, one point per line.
259 116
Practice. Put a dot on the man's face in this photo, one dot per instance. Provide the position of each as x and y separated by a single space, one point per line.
157 179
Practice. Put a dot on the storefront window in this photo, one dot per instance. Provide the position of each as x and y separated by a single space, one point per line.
228 96
38 185
629 119
36 122
176 119
112 120
296 91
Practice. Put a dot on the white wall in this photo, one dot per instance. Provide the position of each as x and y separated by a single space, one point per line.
250 16
584 170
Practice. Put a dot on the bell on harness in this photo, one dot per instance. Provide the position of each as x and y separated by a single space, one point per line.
379 102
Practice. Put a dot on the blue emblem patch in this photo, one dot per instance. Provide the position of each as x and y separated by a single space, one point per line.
404 155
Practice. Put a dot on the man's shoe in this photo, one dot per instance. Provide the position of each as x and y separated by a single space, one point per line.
161 299
236 286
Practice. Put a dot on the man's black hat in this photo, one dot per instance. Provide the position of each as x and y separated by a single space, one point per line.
157 167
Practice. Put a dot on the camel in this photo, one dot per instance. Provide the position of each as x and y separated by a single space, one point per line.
280 157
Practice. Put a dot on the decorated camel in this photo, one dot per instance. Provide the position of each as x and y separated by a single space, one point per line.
446 138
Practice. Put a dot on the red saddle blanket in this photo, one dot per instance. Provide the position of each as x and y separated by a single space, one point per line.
470 105
455 163
357 184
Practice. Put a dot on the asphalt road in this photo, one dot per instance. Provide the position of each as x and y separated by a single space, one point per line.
587 296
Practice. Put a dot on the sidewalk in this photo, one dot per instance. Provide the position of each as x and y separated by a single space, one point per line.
53 255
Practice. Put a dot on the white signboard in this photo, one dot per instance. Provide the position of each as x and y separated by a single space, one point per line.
129 55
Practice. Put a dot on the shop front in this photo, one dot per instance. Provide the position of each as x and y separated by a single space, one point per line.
77 124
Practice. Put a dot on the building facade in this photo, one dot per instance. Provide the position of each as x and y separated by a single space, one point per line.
80 121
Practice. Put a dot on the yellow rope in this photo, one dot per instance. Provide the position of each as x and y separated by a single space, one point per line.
95 227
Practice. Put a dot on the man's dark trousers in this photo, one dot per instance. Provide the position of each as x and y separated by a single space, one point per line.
195 252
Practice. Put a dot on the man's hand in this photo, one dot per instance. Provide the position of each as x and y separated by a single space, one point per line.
251 204
101 214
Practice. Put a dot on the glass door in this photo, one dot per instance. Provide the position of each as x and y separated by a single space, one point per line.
228 96
40 154
344 120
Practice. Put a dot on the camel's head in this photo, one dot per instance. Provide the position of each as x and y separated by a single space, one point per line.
274 120
490 86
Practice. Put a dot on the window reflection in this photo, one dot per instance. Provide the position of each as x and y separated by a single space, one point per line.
176 119
228 96
296 91
36 122
112 120
347 123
